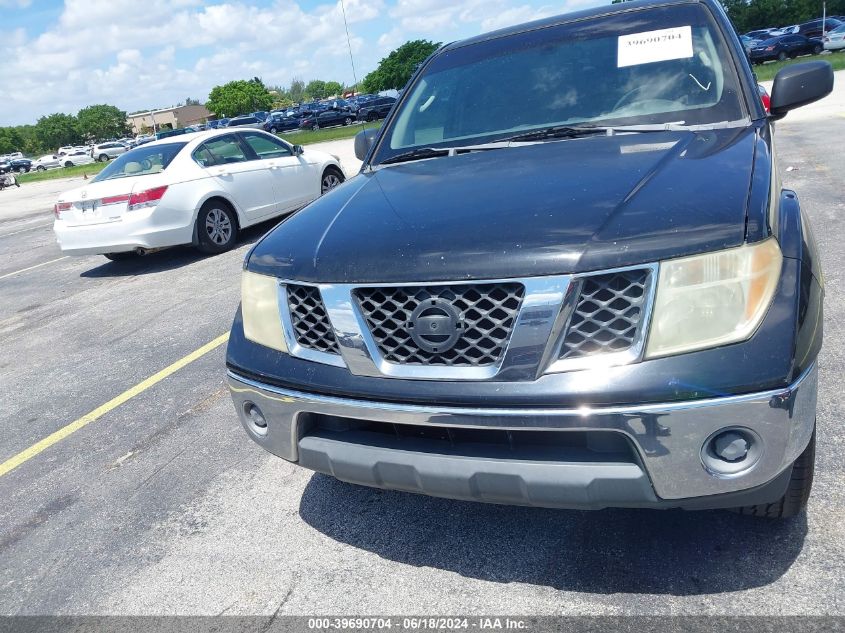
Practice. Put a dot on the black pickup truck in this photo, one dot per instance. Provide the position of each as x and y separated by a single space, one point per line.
567 275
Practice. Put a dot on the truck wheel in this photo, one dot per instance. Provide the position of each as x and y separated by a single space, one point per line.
347 120
217 227
119 257
794 500
332 177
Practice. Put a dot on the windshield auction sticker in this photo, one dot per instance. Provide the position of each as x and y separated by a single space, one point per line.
655 46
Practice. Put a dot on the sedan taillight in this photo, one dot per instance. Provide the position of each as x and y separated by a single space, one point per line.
147 198
60 207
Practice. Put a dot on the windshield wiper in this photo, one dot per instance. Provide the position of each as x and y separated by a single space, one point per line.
557 131
431 152
414 154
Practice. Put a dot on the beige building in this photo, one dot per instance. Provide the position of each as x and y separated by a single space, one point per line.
180 116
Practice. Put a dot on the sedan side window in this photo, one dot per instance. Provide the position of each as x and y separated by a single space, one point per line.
266 147
219 151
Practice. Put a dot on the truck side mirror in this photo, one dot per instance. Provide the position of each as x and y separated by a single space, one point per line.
364 141
798 85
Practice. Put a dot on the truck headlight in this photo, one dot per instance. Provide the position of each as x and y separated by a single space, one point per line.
713 299
260 310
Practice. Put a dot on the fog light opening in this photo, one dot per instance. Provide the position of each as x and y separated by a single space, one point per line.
731 451
255 418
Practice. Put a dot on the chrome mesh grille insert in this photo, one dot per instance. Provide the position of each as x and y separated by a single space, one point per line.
487 316
311 325
607 315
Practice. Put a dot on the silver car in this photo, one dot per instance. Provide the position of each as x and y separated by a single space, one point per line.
106 151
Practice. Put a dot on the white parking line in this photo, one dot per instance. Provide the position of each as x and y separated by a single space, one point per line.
32 228
23 270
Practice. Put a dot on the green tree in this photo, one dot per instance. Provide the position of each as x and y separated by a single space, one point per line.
190 101
10 140
56 130
394 71
316 89
334 88
98 122
239 97
296 92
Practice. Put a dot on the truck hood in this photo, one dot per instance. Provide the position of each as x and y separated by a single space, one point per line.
541 209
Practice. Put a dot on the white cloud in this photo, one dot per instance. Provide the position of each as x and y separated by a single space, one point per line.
109 51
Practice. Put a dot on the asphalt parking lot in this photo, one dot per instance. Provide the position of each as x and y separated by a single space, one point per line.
159 504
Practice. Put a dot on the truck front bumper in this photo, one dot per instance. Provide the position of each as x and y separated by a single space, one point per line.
447 452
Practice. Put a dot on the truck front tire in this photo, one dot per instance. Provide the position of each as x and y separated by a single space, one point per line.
794 500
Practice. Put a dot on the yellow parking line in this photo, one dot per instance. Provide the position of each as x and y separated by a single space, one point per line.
23 270
73 427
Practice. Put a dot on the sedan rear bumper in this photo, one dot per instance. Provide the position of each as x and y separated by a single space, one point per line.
146 231
619 456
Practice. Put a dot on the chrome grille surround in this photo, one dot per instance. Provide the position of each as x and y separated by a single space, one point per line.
310 322
531 349
487 317
609 319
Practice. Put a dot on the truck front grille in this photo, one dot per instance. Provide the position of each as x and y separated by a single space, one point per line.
608 314
486 313
311 326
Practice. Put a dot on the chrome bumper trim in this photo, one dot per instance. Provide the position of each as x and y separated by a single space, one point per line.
667 436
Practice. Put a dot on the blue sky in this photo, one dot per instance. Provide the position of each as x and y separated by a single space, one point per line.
62 55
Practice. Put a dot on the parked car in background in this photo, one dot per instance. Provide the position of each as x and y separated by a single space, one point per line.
261 115
106 151
375 108
48 161
327 118
246 121
835 39
765 99
280 123
20 165
762 34
786 30
785 47
198 189
748 43
813 28
223 122
77 157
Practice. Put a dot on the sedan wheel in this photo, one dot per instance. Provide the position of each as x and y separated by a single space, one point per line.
217 228
41 168
103 158
315 127
347 121
817 50
20 170
68 164
781 56
331 179
272 130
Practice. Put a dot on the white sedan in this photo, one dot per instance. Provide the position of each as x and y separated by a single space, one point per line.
835 40
198 189
48 161
76 157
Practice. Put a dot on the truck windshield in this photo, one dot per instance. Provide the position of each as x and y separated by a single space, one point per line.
651 66
140 161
